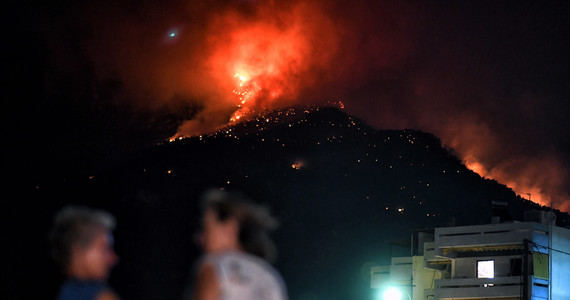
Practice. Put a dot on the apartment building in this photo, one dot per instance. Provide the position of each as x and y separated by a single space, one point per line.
516 260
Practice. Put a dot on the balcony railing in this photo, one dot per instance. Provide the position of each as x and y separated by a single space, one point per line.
478 287
500 236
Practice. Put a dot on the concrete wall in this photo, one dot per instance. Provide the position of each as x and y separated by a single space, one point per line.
379 277
401 273
560 264
424 279
467 267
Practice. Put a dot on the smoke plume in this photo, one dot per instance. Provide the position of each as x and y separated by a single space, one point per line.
487 79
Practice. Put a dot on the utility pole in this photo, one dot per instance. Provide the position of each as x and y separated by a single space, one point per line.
551 219
525 270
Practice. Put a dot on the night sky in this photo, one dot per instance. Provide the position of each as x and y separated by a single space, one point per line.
88 81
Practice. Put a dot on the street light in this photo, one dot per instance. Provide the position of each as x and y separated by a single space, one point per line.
393 293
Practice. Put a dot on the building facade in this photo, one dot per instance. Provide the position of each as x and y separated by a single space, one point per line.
517 260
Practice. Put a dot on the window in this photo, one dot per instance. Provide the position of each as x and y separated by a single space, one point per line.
486 269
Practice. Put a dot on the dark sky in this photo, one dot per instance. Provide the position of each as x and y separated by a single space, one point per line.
88 80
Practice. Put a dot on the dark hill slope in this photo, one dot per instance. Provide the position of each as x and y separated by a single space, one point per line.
341 189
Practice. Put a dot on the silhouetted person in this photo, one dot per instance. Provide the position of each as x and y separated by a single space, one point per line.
82 244
237 251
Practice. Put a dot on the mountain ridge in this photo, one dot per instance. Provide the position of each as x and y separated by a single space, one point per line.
341 189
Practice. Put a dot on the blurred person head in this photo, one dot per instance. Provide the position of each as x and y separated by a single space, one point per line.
82 243
232 221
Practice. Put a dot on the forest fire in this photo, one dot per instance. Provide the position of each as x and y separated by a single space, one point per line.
258 60
273 55
476 167
522 185
246 91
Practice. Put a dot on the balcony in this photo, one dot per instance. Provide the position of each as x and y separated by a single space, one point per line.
493 236
466 288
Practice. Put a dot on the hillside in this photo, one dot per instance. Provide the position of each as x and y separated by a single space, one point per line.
341 189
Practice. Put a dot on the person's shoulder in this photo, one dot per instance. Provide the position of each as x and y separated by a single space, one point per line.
260 270
262 264
257 260
75 288
211 260
207 287
107 295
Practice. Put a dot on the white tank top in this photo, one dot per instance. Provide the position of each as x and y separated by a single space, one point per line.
246 277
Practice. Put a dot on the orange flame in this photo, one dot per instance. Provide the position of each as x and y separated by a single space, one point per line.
259 59
297 165
476 167
522 185
246 91
264 61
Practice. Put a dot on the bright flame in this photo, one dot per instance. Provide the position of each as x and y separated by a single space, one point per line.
541 175
260 61
297 165
263 60
524 186
476 167
242 78
246 91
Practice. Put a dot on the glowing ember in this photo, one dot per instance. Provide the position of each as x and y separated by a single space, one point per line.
298 164
246 90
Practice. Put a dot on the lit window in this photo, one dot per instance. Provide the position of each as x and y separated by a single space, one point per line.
485 269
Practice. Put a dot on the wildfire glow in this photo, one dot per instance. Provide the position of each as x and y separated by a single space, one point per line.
242 78
259 61
525 186
246 90
477 168
297 165
263 61
266 58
